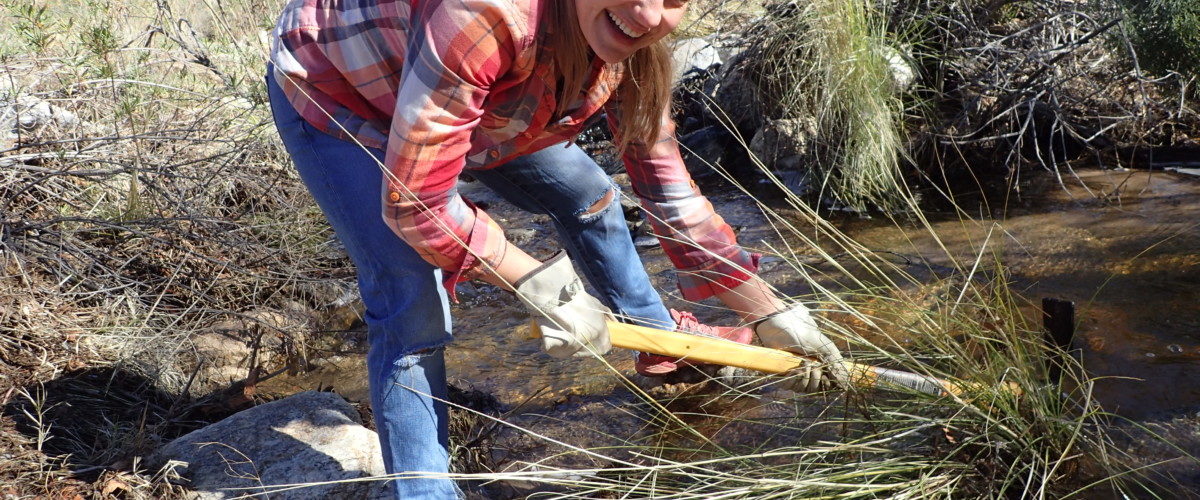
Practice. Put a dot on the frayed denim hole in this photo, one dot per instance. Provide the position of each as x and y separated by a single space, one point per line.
410 360
585 216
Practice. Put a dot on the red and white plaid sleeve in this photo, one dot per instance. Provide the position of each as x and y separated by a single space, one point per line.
700 244
456 50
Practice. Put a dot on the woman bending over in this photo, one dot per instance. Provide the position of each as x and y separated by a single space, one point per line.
381 104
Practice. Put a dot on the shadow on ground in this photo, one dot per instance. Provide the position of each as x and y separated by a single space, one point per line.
102 418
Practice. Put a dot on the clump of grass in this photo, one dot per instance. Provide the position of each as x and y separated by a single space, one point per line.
992 444
829 60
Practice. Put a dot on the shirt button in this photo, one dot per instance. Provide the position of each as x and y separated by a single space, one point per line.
494 154
394 196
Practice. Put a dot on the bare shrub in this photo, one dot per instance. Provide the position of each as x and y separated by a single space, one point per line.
1018 83
170 206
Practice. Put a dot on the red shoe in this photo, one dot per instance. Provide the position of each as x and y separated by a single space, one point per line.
656 365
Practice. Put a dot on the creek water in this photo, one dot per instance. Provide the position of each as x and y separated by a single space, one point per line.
1122 245
1125 247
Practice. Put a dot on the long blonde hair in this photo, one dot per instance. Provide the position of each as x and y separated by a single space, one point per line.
645 90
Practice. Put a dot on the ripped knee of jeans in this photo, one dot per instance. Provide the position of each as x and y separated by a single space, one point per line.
414 358
598 207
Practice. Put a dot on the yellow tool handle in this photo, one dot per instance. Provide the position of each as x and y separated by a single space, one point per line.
713 350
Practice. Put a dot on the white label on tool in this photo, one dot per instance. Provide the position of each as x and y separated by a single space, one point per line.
912 381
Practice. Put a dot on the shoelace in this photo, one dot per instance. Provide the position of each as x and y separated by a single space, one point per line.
686 321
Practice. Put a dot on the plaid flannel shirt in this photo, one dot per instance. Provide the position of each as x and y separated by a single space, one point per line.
447 85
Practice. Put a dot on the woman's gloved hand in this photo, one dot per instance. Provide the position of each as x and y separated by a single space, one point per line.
811 377
795 330
568 316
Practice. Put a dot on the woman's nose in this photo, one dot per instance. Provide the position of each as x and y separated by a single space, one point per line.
648 13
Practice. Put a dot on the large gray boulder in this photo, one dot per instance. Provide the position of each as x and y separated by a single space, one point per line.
694 54
311 437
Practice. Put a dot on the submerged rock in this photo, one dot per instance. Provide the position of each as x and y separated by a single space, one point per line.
311 437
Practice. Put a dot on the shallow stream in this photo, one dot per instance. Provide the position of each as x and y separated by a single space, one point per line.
1124 246
1121 245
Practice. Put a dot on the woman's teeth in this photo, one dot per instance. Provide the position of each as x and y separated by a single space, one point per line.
624 29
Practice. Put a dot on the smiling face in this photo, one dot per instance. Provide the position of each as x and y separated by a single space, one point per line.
615 29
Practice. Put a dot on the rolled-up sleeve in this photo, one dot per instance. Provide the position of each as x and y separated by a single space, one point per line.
700 244
456 51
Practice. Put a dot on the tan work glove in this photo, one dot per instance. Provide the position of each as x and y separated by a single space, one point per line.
568 317
811 377
795 330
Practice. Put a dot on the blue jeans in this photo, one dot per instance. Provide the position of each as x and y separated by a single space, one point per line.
407 312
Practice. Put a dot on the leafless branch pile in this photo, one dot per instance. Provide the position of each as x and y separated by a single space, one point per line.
144 225
1017 83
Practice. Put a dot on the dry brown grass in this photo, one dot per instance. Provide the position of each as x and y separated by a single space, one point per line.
170 206
164 206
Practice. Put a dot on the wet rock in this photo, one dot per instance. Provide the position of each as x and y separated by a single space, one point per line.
694 100
739 98
521 236
475 293
769 263
705 149
312 437
785 145
643 239
799 181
